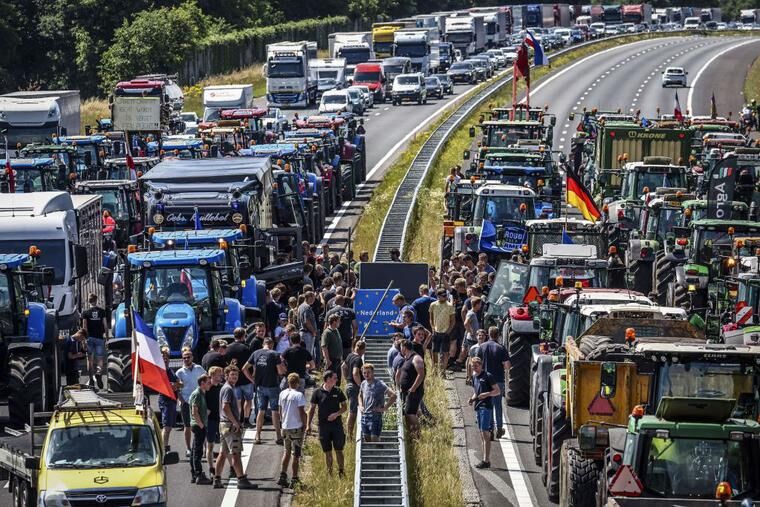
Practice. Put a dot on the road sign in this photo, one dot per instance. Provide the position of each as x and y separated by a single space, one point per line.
137 114
365 303
625 483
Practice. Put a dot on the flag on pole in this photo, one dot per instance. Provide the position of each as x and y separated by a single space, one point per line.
677 110
131 166
148 366
566 239
539 57
713 107
579 197
521 65
9 173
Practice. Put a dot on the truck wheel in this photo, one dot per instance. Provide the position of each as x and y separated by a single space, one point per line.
677 295
664 273
26 497
538 428
119 366
642 276
27 383
559 432
579 477
518 387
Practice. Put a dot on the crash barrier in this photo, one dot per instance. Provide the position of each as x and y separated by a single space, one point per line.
394 228
241 48
381 472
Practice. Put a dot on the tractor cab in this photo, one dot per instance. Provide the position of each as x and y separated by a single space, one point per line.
564 230
31 175
70 163
123 201
185 147
91 149
118 169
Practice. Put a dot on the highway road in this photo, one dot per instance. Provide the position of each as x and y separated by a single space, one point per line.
626 77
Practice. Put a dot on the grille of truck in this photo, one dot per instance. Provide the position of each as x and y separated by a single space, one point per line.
110 497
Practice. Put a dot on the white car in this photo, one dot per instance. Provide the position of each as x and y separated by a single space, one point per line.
564 34
341 101
500 57
692 24
275 120
190 119
367 96
674 76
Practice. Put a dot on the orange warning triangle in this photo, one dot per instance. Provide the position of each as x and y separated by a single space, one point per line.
531 295
601 406
625 483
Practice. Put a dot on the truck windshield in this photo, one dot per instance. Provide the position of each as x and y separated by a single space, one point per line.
541 276
407 80
366 77
698 379
162 285
327 74
393 69
101 446
284 69
459 37
333 99
53 253
503 208
30 180
415 50
691 467
354 55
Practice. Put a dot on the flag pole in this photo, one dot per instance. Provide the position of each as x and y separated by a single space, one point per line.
137 388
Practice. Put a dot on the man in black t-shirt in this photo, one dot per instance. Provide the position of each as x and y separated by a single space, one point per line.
239 352
215 356
273 310
332 404
353 372
95 324
348 326
297 360
74 351
266 366
485 389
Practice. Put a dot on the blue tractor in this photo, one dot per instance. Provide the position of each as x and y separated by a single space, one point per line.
180 294
28 339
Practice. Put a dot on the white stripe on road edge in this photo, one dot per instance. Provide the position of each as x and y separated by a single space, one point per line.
231 493
689 105
509 451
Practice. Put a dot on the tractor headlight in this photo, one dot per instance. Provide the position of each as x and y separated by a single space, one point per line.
187 341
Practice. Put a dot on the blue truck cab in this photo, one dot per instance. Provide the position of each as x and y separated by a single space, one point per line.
32 175
180 295
92 149
178 147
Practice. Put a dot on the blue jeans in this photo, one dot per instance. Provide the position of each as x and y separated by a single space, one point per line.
498 407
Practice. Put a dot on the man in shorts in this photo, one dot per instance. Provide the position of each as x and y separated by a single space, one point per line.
331 402
293 419
216 374
231 431
485 389
353 371
266 366
239 352
442 320
95 323
188 375
410 378
372 404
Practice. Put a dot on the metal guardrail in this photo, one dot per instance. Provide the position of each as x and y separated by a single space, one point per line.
394 228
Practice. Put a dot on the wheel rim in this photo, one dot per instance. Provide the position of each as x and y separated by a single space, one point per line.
24 495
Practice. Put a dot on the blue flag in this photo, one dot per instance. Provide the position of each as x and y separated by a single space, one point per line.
566 239
197 220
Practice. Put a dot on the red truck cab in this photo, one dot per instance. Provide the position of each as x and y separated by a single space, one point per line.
370 74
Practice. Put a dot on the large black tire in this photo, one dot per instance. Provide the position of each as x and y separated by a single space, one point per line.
642 276
518 388
588 344
447 246
664 273
677 295
119 370
560 431
27 384
604 351
538 431
578 479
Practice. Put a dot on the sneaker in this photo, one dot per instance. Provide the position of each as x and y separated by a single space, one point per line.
244 483
500 432
99 380
483 464
279 441
232 473
211 471
187 453
294 483
192 479
341 474
202 480
283 481
218 482
493 437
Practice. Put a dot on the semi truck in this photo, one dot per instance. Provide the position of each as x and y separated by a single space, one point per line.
354 47
545 15
710 14
749 16
466 33
637 13
329 73
382 36
67 229
224 97
37 116
289 82
414 43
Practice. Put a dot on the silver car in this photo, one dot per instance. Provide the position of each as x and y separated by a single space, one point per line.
674 76
368 99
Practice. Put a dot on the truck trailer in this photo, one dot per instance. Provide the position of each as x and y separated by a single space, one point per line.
637 13
289 82
225 97
37 116
329 73
355 47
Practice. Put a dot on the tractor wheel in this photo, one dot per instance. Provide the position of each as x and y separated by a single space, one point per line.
27 383
538 431
664 273
119 371
558 433
518 387
642 276
677 295
578 477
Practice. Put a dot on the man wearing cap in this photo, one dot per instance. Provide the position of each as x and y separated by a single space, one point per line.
281 334
400 301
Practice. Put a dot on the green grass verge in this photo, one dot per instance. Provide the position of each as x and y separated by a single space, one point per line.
752 83
318 489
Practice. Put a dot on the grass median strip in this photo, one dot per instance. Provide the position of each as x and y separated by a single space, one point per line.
752 83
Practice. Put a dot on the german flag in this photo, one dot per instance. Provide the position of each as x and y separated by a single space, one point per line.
578 196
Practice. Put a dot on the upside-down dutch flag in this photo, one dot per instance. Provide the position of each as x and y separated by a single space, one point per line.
677 114
149 362
578 196
539 57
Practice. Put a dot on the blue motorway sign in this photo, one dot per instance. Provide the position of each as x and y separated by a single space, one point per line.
365 303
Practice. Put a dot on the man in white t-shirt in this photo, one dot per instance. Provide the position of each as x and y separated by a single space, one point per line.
293 420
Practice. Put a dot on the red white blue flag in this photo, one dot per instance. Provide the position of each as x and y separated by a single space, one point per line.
149 363
539 57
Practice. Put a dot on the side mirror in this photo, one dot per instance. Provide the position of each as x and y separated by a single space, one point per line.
571 116
466 154
104 276
47 276
171 458
80 261
608 380
472 131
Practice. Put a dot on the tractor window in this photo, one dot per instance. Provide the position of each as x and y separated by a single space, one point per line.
509 285
654 180
500 209
691 468
547 276
29 180
6 313
704 380
667 219
172 284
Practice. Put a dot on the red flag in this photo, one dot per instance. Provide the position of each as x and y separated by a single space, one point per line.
521 66
677 110
131 165
11 176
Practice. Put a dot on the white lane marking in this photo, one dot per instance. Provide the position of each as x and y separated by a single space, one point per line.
704 67
377 114
386 108
231 493
497 482
562 140
511 458
564 132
